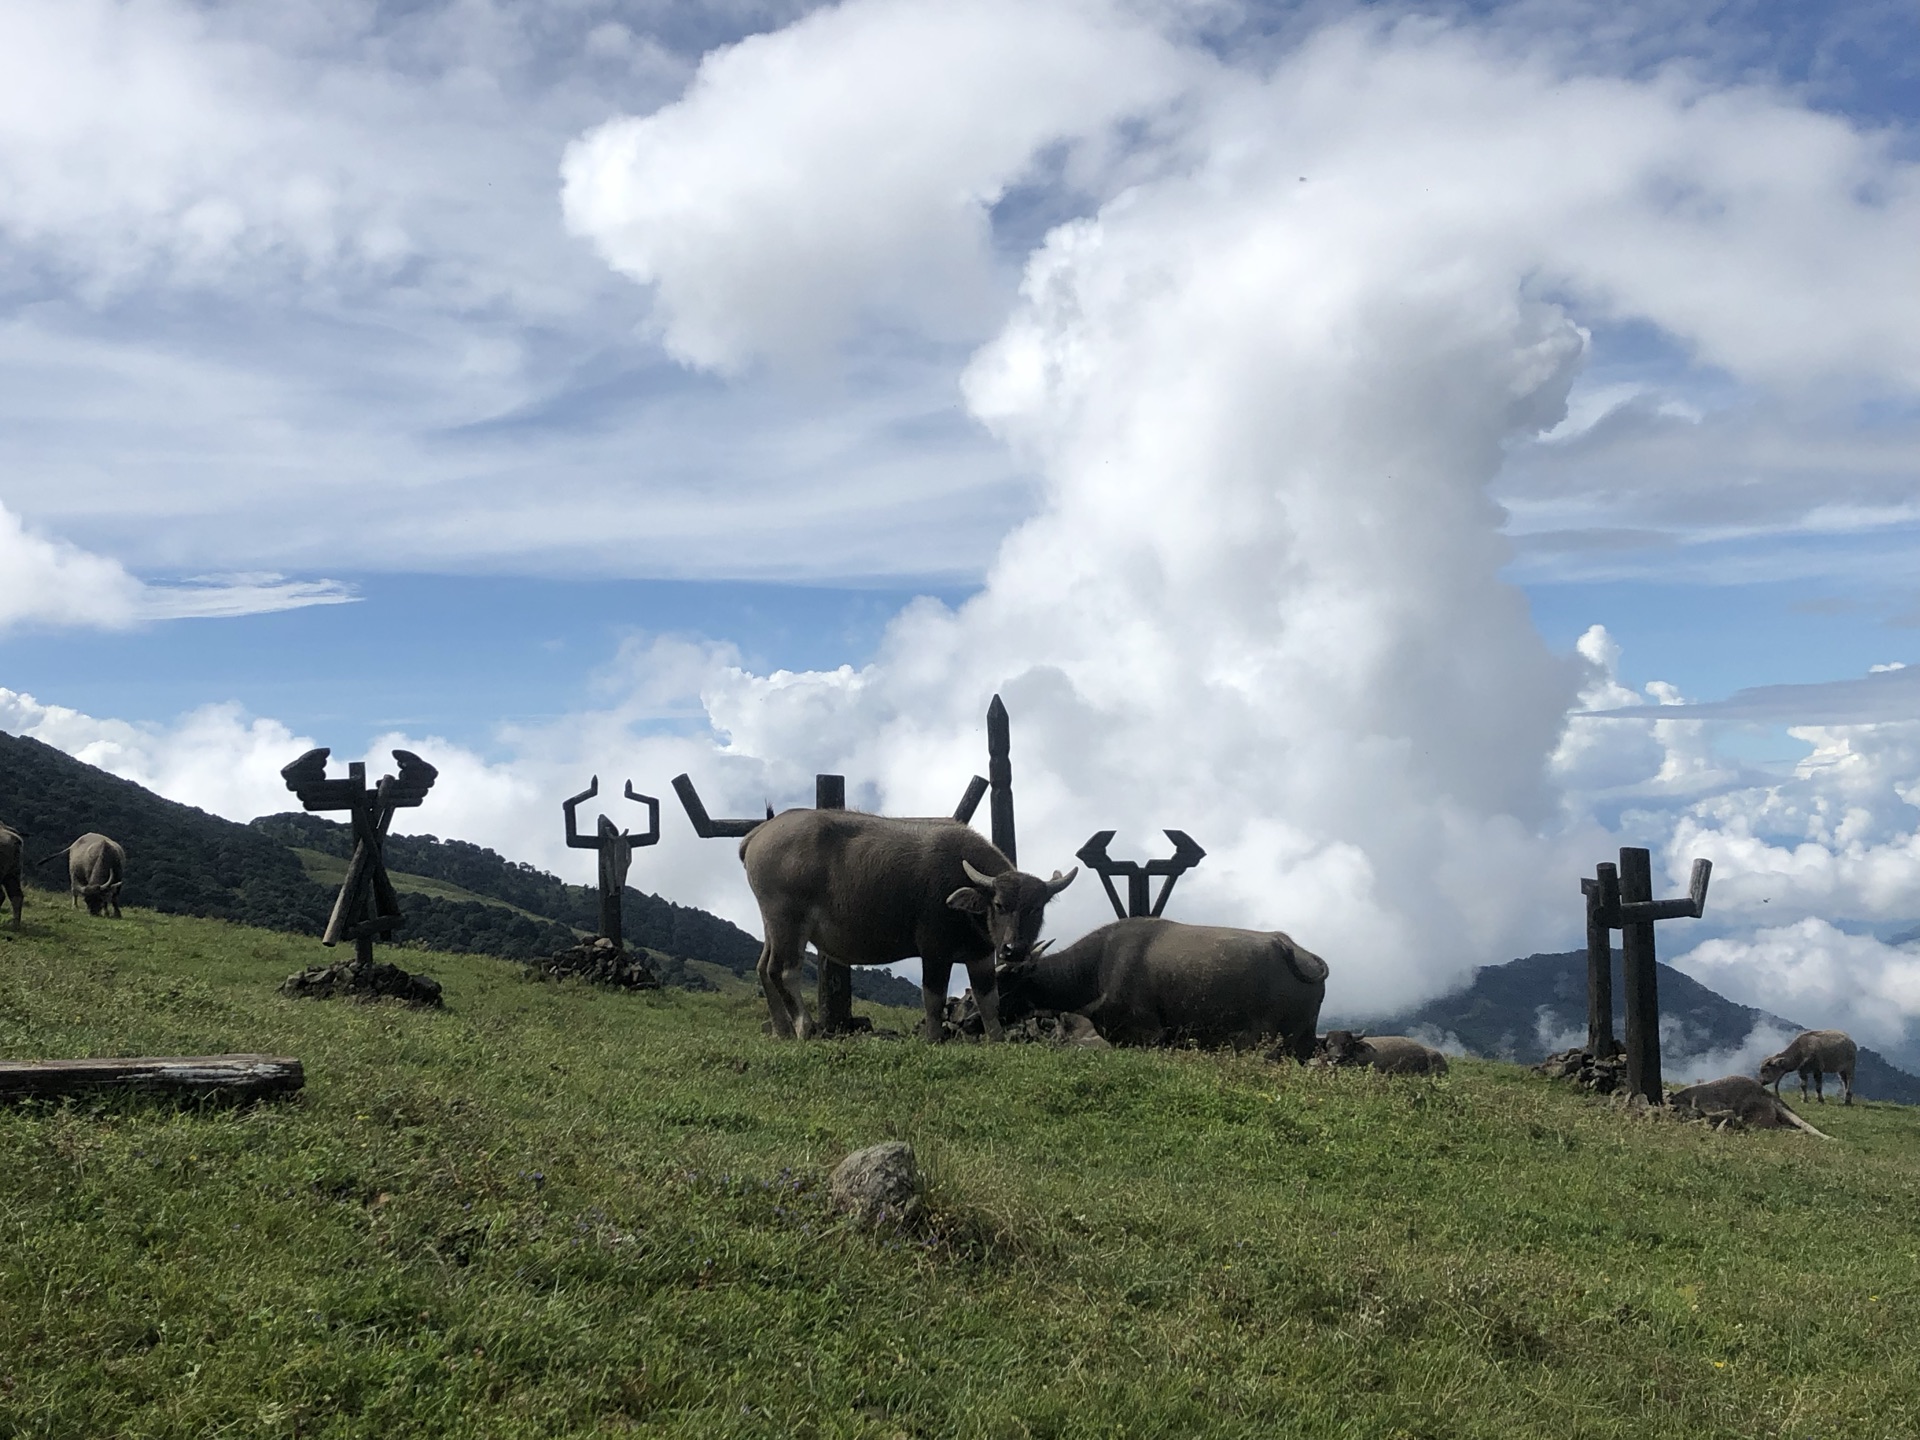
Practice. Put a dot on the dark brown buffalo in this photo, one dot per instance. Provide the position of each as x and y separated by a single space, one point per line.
870 890
1158 982
95 865
1814 1054
1390 1054
10 846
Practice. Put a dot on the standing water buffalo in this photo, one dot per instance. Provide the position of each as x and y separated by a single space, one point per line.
1815 1054
94 867
10 845
1157 982
869 890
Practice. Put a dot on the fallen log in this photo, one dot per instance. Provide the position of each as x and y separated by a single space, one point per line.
228 1077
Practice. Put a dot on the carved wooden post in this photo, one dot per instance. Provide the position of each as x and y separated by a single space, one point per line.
1000 777
1629 907
616 853
1642 981
1603 896
366 905
1186 855
835 991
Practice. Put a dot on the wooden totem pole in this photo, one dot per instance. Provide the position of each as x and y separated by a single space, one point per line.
1623 900
1185 856
616 848
366 905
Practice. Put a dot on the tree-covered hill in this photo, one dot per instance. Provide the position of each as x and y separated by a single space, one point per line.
180 861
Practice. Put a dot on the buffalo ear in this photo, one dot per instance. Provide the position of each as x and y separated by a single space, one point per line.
969 899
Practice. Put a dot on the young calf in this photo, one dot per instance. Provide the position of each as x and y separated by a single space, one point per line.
1815 1053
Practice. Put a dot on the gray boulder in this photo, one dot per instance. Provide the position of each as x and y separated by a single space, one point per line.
878 1187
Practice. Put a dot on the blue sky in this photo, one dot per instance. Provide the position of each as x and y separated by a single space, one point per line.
1269 400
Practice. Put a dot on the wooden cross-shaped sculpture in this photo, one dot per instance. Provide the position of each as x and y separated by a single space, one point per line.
366 905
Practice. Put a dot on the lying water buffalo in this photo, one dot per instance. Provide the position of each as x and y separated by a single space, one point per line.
1742 1098
1816 1054
94 867
869 890
1391 1054
10 845
1158 982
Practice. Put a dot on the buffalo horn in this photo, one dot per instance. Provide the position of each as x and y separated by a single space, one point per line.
1060 882
975 876
1039 948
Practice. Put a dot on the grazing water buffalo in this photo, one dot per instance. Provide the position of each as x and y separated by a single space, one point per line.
1391 1054
1742 1098
870 889
1815 1053
10 845
1158 982
94 867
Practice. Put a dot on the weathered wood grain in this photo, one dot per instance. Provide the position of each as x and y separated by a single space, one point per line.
235 1076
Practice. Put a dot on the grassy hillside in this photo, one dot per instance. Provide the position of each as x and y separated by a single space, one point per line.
557 1211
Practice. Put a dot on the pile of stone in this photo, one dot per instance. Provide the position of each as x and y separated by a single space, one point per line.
599 962
1602 1074
374 980
1044 1027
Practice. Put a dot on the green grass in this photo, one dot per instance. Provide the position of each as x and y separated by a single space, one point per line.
557 1211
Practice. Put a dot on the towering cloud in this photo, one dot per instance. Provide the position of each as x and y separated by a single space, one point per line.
1265 386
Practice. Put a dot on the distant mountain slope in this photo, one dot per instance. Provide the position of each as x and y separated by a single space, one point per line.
1525 1008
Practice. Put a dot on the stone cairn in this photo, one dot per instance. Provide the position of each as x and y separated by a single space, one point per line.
598 961
364 980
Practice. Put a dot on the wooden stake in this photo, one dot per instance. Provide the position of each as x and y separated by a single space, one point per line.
1641 978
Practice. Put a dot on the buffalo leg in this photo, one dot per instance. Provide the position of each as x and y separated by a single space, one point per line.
14 898
1846 1076
986 995
779 967
934 975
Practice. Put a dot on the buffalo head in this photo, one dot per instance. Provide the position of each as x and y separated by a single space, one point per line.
1013 906
102 898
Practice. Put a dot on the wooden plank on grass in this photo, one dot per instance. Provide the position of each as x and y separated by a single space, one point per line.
238 1077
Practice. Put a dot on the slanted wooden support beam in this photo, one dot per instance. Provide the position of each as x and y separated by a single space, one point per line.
232 1077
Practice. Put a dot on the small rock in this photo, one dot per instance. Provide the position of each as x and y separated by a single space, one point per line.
878 1187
